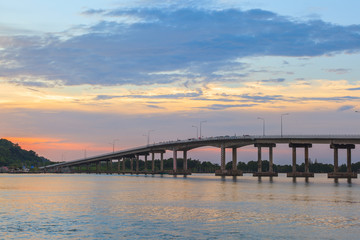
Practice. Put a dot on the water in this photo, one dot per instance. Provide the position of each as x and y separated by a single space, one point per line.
81 206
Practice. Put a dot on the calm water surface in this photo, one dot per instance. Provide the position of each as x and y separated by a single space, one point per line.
81 206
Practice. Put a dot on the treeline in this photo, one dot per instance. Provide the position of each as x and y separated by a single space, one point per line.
14 157
194 166
252 166
197 166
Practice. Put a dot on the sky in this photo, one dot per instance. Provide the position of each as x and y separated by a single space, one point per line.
79 78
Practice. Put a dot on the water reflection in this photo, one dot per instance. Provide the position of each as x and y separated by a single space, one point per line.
198 206
259 179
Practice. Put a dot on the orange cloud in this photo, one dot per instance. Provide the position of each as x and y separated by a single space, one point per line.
40 144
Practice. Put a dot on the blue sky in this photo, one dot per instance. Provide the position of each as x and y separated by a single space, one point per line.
121 68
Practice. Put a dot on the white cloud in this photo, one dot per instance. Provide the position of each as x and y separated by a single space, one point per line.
203 42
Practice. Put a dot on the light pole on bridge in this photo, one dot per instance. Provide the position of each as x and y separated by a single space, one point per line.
197 131
113 144
263 125
148 136
200 127
281 122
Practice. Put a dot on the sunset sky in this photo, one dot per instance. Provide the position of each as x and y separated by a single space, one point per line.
78 75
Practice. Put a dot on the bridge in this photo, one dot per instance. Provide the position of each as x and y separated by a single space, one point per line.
335 142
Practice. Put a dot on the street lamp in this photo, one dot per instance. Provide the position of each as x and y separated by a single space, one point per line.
197 131
263 125
148 136
284 114
200 128
113 144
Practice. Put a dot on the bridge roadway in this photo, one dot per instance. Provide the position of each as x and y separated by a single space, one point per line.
305 142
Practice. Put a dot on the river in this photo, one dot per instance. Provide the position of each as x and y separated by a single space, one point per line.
200 206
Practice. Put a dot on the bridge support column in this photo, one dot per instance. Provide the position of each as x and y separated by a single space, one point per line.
349 160
132 164
348 174
270 172
174 160
259 160
119 163
97 167
145 169
176 171
161 162
223 158
145 163
307 159
185 160
153 162
107 166
271 162
123 165
306 173
234 159
233 171
336 160
294 160
222 171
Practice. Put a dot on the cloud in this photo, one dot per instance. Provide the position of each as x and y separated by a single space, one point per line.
277 80
94 12
105 97
256 98
39 84
338 70
353 89
161 40
333 99
196 94
154 106
226 106
345 108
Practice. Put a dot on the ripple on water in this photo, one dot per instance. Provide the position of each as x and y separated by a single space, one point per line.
198 207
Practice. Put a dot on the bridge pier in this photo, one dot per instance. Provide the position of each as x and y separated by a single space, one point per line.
222 171
306 173
145 160
161 162
132 164
233 171
185 160
123 165
336 174
109 167
176 171
271 172
118 165
174 161
97 167
153 162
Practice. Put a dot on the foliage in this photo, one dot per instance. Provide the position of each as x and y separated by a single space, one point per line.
13 156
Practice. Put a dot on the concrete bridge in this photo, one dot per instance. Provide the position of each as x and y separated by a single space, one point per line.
296 142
